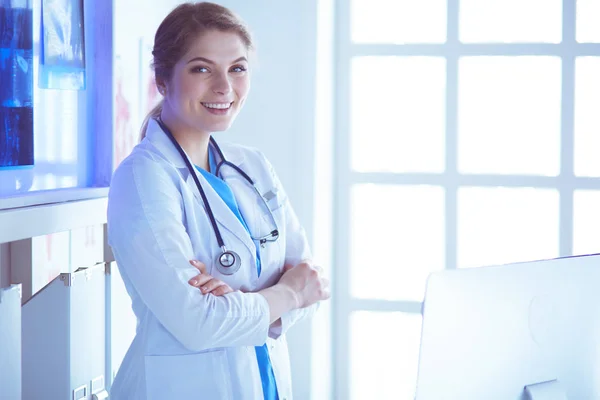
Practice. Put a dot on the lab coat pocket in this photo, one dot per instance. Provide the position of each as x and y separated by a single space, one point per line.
190 376
274 198
275 201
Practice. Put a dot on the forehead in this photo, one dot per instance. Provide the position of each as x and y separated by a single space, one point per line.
218 46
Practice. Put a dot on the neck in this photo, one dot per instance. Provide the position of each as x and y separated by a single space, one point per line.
192 141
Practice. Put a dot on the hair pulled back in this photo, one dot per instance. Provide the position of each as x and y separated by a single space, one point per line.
176 33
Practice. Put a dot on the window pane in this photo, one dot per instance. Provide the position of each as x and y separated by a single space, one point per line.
384 355
510 21
398 114
587 117
509 115
588 14
586 222
398 21
504 225
397 233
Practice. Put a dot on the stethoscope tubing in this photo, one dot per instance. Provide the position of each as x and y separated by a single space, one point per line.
213 221
229 261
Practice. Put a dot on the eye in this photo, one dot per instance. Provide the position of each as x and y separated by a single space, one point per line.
239 68
199 69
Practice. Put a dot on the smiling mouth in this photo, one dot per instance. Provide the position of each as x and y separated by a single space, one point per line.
218 106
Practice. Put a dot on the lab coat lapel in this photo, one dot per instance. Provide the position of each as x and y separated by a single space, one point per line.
247 198
226 219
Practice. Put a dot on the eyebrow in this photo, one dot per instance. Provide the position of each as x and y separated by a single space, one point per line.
206 60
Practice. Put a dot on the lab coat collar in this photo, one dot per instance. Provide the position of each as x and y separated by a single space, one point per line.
226 219
161 141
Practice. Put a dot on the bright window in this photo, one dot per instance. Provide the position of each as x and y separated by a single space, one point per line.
504 225
587 116
397 232
398 106
466 135
396 347
510 21
509 111
398 21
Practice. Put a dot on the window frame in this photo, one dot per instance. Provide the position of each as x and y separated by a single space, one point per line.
450 180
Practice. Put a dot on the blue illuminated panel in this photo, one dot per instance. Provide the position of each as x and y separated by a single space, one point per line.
16 84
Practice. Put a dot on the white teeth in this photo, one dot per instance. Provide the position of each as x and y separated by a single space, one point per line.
222 106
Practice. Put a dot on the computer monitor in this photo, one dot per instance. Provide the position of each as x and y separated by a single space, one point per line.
513 332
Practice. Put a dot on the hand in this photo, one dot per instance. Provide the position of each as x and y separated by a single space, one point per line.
206 283
306 282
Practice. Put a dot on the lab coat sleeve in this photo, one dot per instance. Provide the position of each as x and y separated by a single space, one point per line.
151 245
296 250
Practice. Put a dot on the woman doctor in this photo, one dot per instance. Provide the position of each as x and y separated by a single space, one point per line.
210 250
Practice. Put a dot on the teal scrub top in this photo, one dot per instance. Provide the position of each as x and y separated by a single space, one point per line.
262 354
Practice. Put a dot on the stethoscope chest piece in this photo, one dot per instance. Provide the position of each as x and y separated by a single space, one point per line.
228 262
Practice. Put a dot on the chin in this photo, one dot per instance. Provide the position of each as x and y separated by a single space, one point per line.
217 127
220 126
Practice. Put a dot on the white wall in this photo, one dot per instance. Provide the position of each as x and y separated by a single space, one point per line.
134 26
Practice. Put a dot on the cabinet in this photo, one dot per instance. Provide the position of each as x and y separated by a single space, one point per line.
10 343
63 337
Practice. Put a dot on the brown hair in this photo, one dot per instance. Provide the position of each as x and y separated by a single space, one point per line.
175 33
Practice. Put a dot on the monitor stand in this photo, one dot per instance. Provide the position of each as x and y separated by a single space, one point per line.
549 390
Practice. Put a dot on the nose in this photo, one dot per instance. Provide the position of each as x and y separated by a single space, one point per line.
222 84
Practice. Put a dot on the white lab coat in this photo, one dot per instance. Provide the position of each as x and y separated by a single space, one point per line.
189 345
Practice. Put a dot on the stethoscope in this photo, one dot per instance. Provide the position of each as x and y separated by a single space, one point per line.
228 262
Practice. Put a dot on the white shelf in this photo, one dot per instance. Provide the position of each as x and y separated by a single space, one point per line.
42 197
26 222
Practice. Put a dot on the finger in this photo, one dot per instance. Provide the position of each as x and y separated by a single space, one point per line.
222 290
198 265
319 269
325 283
287 267
200 279
211 285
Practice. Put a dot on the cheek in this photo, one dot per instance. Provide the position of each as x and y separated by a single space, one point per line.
242 87
188 87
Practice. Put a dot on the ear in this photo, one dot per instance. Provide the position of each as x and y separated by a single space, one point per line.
161 86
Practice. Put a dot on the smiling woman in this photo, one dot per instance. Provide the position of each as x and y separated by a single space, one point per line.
207 88
210 249
201 46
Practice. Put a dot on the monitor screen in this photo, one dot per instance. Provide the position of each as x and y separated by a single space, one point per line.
513 332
